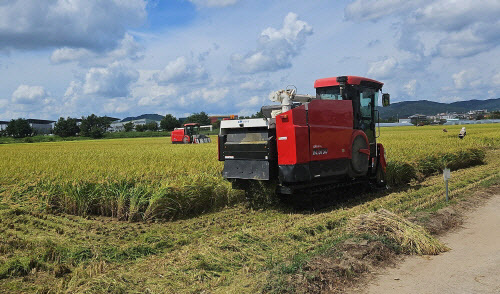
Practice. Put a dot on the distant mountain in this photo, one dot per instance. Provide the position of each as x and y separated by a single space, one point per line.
407 108
148 116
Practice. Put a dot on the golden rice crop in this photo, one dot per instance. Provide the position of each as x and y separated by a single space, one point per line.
149 178
413 143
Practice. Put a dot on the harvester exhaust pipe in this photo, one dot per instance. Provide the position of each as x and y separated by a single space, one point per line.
342 81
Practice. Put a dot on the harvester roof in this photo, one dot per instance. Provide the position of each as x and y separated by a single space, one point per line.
191 124
351 80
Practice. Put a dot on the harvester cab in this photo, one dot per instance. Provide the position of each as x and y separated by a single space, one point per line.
309 141
189 133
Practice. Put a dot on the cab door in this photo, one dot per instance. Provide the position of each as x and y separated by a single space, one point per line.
367 99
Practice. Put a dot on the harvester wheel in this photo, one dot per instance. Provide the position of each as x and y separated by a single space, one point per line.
359 160
185 140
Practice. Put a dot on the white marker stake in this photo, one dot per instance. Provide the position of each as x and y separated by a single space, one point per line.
446 176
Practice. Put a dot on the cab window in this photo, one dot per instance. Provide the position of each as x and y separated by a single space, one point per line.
366 99
328 93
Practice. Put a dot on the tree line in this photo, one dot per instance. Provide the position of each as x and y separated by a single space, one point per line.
91 126
96 126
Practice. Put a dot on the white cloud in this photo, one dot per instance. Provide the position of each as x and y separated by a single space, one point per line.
28 101
383 68
128 48
466 78
459 79
12 114
215 95
182 64
470 41
181 71
66 54
433 14
159 95
276 48
373 10
73 89
112 81
496 79
74 103
246 112
213 3
150 101
448 28
255 85
116 106
91 24
25 94
411 87
3 103
253 101
439 15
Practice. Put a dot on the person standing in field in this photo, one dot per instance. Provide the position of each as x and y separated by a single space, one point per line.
462 133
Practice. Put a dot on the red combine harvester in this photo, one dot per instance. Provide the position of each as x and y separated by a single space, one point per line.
188 134
309 142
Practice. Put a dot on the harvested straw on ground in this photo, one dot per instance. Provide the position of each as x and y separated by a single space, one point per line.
412 238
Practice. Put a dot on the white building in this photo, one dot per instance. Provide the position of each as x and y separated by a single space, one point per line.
3 125
41 126
479 111
447 116
119 125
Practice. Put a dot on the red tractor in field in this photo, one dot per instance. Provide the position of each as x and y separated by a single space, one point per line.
189 133
309 141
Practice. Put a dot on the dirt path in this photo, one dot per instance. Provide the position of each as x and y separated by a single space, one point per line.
471 266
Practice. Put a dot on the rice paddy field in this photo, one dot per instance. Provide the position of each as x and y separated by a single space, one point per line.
144 216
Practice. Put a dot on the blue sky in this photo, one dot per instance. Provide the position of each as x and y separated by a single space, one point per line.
173 13
122 58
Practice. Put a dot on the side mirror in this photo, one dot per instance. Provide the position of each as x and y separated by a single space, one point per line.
386 99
